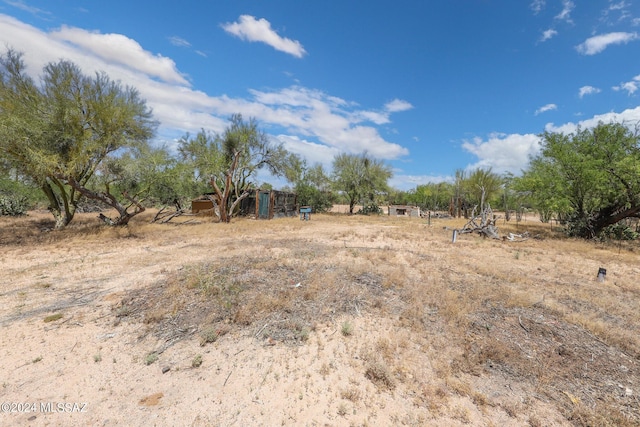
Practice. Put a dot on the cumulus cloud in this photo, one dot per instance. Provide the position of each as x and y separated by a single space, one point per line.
382 117
631 117
511 153
587 90
599 43
259 30
397 105
631 87
545 108
503 153
548 34
119 49
310 151
321 124
408 182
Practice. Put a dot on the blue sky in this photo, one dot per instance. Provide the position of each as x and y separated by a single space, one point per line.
429 86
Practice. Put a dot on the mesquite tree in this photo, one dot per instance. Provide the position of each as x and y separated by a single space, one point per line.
229 162
591 177
60 130
360 178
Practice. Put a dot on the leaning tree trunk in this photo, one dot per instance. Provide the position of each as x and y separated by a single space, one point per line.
590 228
124 216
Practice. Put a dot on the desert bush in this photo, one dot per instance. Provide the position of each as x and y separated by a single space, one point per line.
13 205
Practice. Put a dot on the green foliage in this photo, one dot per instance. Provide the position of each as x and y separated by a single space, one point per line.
430 196
313 189
619 231
229 162
361 178
481 186
16 197
590 178
13 205
370 209
59 132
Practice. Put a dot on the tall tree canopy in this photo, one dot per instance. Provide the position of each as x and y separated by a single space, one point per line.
229 162
59 131
360 178
482 185
313 187
591 176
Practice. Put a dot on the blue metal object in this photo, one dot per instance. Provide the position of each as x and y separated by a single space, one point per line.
305 213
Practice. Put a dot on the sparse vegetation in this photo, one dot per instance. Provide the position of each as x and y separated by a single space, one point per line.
443 325
197 361
151 358
208 335
347 328
53 317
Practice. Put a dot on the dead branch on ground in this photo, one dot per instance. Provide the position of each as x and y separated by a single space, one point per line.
484 223
163 216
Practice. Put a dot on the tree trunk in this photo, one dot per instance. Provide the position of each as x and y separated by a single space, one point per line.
107 198
62 218
60 206
604 218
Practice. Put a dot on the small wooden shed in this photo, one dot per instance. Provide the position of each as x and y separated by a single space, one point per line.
269 204
261 204
202 205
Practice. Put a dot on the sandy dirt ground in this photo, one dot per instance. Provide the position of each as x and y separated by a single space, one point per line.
87 368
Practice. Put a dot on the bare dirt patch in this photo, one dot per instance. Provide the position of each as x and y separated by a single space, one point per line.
341 320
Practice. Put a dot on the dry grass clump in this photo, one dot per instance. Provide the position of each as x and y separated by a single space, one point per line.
283 295
531 311
379 373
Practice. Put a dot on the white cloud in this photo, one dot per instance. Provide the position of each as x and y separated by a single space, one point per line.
311 151
511 153
545 108
503 153
383 117
630 116
20 4
616 12
567 8
407 182
597 44
119 49
179 41
323 124
537 6
587 90
548 34
618 6
631 87
372 116
259 30
397 105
